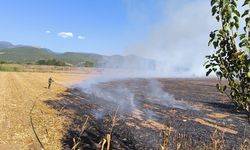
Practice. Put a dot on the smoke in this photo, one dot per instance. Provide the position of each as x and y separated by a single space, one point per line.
127 93
178 40
175 46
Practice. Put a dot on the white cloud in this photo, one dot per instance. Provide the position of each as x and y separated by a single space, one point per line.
65 34
48 31
81 37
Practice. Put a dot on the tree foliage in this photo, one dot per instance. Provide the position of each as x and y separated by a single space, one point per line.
89 64
51 62
231 59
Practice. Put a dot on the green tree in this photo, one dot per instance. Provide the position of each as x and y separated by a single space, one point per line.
52 62
231 59
41 62
89 64
2 62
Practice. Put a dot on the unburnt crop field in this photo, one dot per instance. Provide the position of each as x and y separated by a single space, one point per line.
19 92
136 113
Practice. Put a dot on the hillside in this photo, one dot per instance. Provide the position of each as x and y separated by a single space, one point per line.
78 58
24 54
27 54
4 44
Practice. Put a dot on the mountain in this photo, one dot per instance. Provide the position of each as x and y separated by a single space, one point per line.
24 54
4 44
29 54
77 58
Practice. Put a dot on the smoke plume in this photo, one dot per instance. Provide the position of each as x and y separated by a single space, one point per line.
175 46
178 41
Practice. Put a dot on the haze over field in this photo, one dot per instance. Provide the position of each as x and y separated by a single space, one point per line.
179 40
172 32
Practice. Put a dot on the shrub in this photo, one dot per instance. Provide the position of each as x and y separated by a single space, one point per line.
231 60
51 62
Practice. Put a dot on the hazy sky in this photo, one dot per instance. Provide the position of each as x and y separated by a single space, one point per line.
99 26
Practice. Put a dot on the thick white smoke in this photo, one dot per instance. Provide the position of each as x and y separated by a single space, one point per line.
125 94
178 42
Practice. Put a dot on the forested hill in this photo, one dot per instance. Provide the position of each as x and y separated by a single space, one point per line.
10 53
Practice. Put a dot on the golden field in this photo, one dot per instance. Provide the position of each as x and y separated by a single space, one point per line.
19 92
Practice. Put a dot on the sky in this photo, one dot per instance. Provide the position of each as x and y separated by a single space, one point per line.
99 26
173 32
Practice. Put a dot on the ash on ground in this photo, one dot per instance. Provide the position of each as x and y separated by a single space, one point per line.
189 109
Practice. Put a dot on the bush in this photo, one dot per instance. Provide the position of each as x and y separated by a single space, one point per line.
89 64
2 62
231 60
51 62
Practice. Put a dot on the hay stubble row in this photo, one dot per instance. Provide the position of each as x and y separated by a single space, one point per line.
18 91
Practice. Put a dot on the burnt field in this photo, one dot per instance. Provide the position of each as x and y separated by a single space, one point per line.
143 113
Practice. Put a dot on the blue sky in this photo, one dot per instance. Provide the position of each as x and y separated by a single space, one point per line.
103 26
174 32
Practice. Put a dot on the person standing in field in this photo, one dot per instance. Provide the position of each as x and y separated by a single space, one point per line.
49 82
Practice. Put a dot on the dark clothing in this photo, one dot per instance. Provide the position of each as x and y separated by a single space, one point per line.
49 82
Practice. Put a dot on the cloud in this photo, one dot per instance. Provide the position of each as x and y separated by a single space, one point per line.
81 37
65 34
48 31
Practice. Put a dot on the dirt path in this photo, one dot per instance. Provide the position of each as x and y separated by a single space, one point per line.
18 91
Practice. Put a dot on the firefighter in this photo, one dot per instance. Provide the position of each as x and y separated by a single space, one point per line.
49 82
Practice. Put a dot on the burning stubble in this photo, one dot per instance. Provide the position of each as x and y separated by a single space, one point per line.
128 93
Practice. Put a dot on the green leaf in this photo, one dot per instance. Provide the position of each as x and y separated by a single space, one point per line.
210 41
242 43
234 3
218 18
207 66
215 43
236 12
212 35
213 2
242 36
214 10
208 72
247 20
236 19
219 75
235 34
245 13
246 2
208 56
237 25
231 25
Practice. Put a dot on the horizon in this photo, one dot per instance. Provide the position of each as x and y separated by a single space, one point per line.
109 27
24 45
168 31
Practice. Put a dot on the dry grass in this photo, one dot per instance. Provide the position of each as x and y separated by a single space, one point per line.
107 140
165 137
77 140
171 139
18 91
